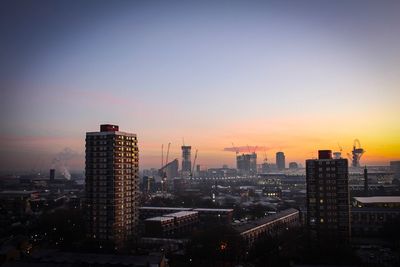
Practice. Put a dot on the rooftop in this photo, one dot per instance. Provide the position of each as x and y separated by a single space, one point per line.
159 219
241 228
215 210
384 199
181 214
111 133
164 208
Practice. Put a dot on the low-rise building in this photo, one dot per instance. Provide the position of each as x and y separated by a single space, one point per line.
370 214
15 205
272 225
215 215
160 226
171 225
149 212
205 215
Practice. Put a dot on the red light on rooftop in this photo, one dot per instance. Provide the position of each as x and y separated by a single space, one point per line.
324 154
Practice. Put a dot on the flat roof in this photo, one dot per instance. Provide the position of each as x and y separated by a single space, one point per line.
215 210
383 199
181 214
159 219
164 208
242 228
111 133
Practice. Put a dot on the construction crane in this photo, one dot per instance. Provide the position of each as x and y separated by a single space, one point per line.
162 172
162 155
166 159
194 163
235 148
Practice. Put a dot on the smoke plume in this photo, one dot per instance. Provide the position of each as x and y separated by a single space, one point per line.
60 162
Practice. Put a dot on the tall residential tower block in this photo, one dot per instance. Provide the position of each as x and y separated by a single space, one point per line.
328 203
112 166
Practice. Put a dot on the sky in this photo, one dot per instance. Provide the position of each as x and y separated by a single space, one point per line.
292 76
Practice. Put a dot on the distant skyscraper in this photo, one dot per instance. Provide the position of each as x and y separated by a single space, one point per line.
52 174
280 161
186 159
328 204
170 170
247 163
112 165
293 165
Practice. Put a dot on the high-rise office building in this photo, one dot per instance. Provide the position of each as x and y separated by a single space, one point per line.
112 165
186 159
328 203
280 161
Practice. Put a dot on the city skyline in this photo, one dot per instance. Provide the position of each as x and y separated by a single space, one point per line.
291 78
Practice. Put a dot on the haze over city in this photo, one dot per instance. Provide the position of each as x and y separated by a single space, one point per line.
257 133
283 75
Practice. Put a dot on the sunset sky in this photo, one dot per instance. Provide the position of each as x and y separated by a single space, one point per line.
292 76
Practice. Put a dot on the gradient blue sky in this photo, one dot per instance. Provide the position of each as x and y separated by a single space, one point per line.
290 75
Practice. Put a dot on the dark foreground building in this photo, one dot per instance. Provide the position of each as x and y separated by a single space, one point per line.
112 165
328 204
272 225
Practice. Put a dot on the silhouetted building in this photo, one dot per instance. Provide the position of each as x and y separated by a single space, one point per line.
280 161
15 205
180 185
395 168
171 225
52 174
206 216
171 169
272 225
328 204
293 166
247 163
265 167
149 184
370 214
186 159
112 165
365 181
